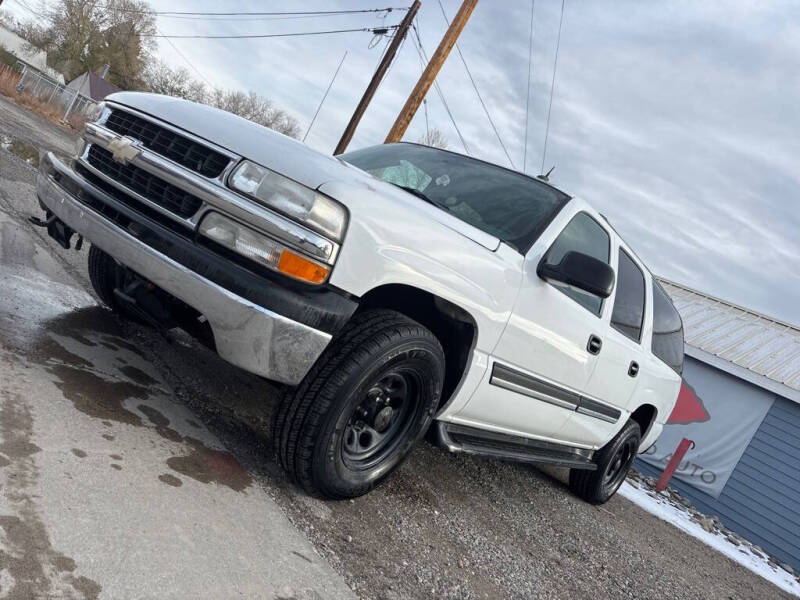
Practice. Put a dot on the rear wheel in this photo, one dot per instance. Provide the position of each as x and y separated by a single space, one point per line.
359 411
613 462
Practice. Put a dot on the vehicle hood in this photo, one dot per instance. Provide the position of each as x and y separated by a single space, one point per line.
286 156
250 140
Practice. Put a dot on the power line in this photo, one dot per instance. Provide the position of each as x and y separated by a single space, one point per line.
375 30
167 13
477 92
552 86
188 62
325 95
528 97
423 54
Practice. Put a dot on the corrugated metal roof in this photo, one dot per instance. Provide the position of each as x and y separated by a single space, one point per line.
763 346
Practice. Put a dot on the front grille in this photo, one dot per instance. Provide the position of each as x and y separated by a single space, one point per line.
147 185
167 143
123 198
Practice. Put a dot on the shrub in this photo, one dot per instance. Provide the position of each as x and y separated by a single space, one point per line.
8 81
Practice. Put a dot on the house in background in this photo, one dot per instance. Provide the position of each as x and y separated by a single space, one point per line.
743 369
25 53
94 86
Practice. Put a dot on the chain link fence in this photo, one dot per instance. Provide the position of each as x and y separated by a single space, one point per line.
67 101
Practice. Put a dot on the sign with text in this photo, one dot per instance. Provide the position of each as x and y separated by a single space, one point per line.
720 414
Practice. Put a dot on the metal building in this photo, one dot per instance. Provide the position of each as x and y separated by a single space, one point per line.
744 369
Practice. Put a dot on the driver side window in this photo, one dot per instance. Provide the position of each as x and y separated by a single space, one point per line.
582 234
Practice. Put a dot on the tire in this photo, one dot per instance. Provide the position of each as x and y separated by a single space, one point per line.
359 411
613 462
103 273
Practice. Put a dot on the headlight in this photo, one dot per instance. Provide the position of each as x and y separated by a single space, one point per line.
261 249
296 201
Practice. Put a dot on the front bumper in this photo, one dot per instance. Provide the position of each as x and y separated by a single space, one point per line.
246 334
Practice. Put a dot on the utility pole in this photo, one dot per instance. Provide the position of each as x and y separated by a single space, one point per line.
399 35
431 71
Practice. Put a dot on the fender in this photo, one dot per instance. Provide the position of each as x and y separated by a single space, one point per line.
392 239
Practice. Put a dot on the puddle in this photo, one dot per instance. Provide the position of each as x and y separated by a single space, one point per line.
211 466
170 480
97 397
77 347
202 464
137 375
27 555
27 152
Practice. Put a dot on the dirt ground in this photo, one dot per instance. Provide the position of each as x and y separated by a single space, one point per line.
444 525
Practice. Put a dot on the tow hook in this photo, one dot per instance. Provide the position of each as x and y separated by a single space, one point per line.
58 230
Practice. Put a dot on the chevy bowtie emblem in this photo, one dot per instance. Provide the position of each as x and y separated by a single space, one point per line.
123 150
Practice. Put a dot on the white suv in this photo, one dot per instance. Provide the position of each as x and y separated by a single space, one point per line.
391 288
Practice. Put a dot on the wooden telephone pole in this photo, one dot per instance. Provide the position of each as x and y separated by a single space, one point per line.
399 35
431 71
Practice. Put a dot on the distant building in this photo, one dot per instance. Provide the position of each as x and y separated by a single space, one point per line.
743 413
32 57
92 85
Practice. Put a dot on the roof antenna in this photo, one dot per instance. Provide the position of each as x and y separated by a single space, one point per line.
546 176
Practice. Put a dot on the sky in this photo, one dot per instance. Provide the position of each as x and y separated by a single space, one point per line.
679 121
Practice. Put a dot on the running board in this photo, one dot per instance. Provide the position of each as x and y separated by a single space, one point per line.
470 440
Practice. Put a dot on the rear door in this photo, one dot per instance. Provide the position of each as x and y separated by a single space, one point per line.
604 403
544 357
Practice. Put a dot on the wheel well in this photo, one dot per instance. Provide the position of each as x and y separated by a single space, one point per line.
645 415
452 325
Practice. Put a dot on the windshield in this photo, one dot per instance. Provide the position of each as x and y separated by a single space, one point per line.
505 204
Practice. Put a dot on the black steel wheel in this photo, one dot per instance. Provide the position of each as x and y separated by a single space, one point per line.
381 421
358 413
613 462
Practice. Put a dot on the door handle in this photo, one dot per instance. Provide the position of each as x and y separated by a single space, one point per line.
594 345
633 369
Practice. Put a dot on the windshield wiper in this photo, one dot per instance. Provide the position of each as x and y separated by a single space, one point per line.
419 194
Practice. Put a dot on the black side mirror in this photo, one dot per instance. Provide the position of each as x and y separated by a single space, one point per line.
580 271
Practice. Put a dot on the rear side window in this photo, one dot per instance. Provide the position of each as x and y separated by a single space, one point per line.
667 330
582 234
629 302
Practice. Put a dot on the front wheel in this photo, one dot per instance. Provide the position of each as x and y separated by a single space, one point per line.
613 462
365 403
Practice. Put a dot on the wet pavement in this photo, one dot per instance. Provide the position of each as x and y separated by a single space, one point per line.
109 488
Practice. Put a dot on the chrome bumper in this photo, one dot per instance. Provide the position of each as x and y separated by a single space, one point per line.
246 335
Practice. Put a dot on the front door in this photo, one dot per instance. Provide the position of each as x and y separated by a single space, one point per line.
548 350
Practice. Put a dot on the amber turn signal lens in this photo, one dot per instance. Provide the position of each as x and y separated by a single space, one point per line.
301 268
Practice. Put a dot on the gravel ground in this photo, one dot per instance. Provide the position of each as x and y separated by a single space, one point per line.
444 525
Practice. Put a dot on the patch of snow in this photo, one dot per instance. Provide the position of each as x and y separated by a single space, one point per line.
663 509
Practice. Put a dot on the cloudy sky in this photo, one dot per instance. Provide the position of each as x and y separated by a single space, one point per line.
680 121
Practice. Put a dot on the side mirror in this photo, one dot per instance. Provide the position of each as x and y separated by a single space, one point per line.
580 271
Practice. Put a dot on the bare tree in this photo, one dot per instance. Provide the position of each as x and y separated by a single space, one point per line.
7 21
83 35
434 138
163 79
159 78
256 108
